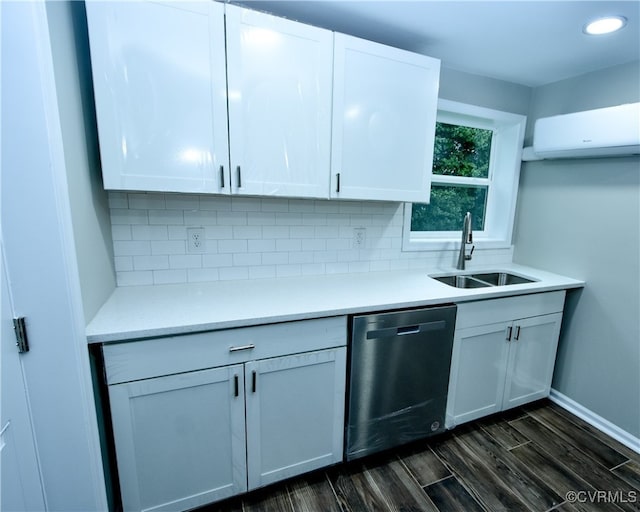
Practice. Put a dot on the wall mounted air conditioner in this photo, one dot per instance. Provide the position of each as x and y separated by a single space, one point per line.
611 131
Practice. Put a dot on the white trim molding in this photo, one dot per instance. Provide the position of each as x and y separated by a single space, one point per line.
595 420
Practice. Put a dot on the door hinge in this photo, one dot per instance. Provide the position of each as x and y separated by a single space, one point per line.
20 329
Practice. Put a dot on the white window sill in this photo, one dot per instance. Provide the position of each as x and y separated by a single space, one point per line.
415 243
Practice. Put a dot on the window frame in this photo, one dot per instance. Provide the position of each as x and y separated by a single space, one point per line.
504 173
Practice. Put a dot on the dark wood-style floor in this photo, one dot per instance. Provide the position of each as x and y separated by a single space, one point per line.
530 459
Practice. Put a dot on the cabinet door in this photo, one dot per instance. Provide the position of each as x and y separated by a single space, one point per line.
279 105
384 115
180 439
160 92
295 414
478 369
531 359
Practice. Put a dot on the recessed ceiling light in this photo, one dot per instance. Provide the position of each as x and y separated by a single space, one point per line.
604 25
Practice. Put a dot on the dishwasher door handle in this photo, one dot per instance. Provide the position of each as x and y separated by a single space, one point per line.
406 329
409 329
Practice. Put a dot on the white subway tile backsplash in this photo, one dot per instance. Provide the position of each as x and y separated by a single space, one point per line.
185 260
134 278
121 232
197 275
166 217
247 232
232 246
289 244
230 273
118 200
261 245
169 276
244 259
217 232
200 218
217 260
232 218
262 272
245 204
256 238
171 247
275 258
151 262
147 201
148 232
123 263
131 248
217 203
182 202
129 217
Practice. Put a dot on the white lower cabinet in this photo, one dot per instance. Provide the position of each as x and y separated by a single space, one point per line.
504 353
187 439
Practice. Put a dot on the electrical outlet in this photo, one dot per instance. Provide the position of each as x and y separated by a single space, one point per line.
195 240
359 237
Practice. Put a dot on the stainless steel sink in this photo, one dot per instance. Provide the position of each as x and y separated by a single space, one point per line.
501 278
482 279
461 281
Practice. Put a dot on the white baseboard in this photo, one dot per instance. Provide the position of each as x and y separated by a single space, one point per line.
595 420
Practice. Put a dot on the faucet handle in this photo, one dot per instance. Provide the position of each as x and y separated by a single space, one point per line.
468 256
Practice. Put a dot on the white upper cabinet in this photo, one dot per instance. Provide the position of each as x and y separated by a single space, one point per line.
279 83
206 97
160 92
384 111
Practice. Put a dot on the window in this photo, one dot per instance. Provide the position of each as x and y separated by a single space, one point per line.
476 165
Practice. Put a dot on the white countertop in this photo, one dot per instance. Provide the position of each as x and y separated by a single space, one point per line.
148 311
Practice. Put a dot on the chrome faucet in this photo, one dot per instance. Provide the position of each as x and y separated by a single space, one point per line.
467 238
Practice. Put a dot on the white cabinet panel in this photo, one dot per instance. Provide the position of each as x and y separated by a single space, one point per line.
160 91
384 111
497 366
180 439
279 74
478 369
531 359
295 414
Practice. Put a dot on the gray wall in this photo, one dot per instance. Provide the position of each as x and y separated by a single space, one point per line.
581 218
484 92
89 203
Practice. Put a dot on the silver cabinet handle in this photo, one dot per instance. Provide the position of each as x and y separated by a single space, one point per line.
250 346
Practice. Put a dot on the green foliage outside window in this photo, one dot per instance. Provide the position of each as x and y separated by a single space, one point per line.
459 151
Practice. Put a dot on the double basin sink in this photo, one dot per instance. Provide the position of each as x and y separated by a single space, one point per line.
482 279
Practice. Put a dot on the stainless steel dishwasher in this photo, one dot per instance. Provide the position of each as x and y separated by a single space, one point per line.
398 377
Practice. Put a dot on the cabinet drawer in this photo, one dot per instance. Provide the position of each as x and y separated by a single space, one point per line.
136 360
491 311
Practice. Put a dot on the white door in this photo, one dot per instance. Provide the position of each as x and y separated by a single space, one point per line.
384 118
279 105
160 91
180 439
478 368
20 487
531 359
38 245
295 414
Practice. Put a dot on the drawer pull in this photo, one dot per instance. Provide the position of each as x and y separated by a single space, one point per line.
250 346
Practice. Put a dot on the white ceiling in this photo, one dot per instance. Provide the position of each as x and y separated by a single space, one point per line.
526 42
